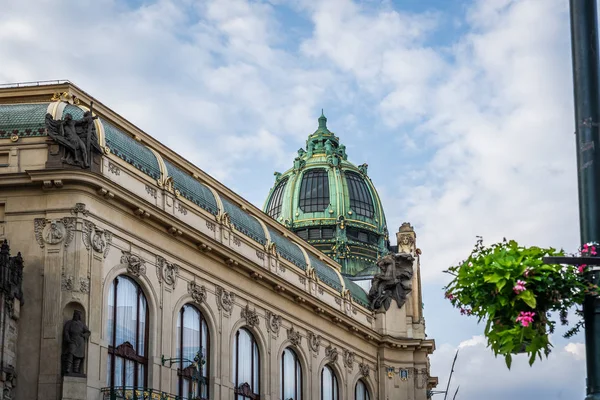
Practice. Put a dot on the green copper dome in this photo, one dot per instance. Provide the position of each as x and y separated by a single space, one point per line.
331 203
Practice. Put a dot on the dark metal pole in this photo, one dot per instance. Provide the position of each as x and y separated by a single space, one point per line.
584 46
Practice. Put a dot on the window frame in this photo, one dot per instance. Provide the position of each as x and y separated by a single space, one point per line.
360 198
181 370
366 393
255 394
314 179
128 353
335 383
297 368
275 205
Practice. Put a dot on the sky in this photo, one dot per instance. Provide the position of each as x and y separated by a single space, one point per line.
463 110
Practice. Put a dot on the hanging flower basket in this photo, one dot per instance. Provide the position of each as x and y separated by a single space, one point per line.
510 287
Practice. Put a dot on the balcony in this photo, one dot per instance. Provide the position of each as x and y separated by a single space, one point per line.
137 393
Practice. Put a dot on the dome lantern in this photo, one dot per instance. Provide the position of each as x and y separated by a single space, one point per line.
331 203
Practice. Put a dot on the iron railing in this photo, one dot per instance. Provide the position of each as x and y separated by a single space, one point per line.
138 393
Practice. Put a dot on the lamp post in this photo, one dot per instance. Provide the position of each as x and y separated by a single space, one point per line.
584 47
196 363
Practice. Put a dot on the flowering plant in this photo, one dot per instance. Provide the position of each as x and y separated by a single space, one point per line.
510 286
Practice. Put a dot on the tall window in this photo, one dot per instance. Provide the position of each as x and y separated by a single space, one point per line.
192 337
276 202
329 384
360 198
361 392
290 374
246 360
314 191
127 334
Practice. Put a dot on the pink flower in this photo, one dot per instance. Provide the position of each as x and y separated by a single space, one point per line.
449 296
525 318
520 286
527 271
581 268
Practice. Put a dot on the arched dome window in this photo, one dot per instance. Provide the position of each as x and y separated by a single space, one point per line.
246 361
290 376
361 201
276 202
329 384
192 337
127 334
314 191
361 392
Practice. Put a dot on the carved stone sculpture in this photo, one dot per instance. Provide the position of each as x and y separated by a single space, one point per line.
75 334
135 264
394 281
77 138
331 353
250 316
294 336
314 342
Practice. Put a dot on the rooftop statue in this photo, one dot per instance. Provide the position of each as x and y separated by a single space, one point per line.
78 137
394 281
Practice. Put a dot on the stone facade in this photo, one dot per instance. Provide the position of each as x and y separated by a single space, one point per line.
143 218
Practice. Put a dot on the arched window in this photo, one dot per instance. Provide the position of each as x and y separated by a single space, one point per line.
329 384
246 361
290 376
361 392
314 191
127 334
276 202
360 197
192 338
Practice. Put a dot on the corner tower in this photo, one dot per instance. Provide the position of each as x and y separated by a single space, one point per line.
331 203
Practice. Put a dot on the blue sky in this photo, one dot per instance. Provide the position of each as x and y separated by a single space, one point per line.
462 109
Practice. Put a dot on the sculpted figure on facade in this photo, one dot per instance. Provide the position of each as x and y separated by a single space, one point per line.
394 281
55 233
75 333
77 137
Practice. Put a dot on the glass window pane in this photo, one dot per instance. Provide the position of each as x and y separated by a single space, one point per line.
276 202
361 201
326 384
314 191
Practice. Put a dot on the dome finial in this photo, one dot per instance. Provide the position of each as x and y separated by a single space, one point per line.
322 120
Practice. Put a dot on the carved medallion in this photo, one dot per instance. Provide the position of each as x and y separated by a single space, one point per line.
54 233
250 316
364 369
225 300
314 342
135 264
166 271
79 209
96 238
348 358
273 322
294 336
197 292
331 353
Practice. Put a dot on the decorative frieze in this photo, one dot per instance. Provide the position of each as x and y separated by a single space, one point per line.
79 208
237 241
114 169
151 191
211 226
225 300
181 209
197 292
135 264
260 255
273 322
166 271
348 357
364 369
294 336
250 316
314 342
331 353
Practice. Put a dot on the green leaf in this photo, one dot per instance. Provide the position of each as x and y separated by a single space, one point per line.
528 297
532 359
492 278
508 359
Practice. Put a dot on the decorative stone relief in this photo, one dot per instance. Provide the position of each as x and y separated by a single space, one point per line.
69 224
348 358
38 228
237 241
97 238
166 271
250 316
294 336
79 208
314 342
224 219
114 169
260 255
225 300
66 283
393 283
135 264
331 353
84 285
151 191
197 292
364 369
273 322
211 226
54 233
181 208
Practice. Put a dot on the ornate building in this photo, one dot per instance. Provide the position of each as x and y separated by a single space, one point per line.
146 278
